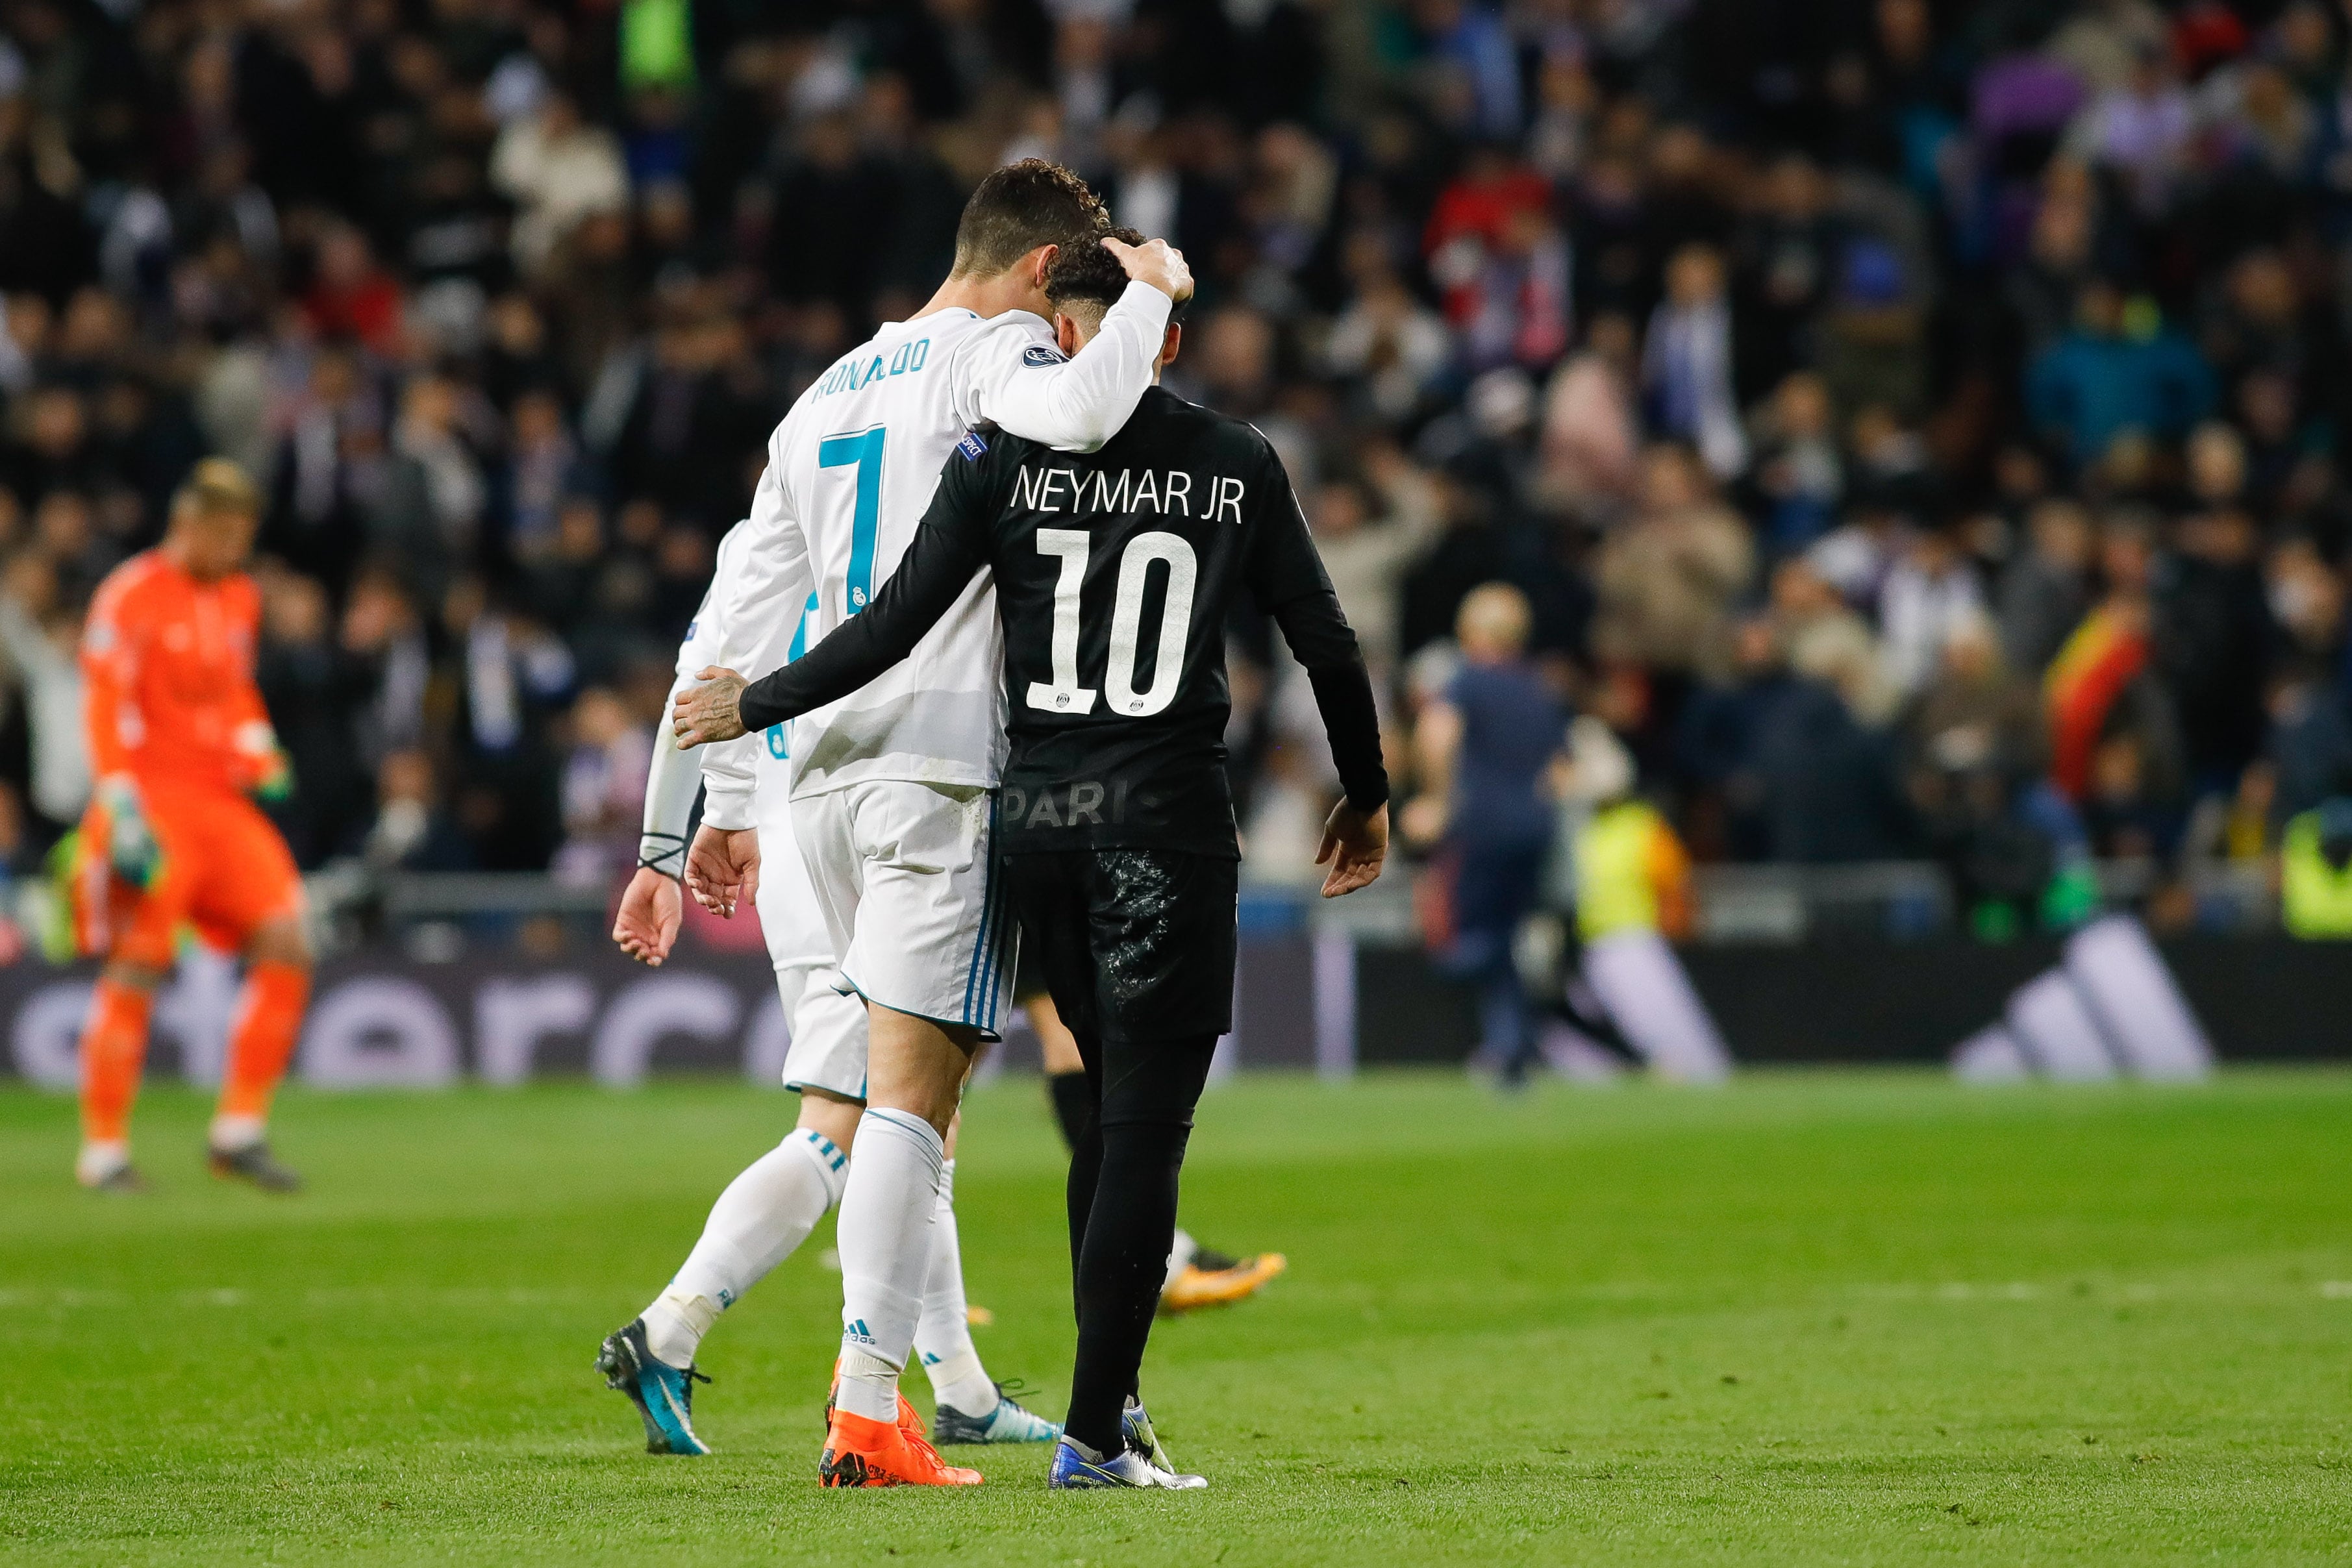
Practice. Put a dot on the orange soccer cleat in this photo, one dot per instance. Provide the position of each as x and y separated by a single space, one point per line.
1215 1282
863 1453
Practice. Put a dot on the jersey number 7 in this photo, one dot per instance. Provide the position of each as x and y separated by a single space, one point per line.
1065 694
865 450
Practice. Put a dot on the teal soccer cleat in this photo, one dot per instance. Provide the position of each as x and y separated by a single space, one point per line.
663 1395
1010 1422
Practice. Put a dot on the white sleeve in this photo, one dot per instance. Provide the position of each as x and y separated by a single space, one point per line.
753 609
673 777
671 783
1016 377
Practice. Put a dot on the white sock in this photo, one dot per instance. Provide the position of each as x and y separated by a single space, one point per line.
100 1158
230 1133
762 1216
943 1334
1180 1253
885 1233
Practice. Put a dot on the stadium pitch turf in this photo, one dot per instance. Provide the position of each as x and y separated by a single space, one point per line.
1811 1318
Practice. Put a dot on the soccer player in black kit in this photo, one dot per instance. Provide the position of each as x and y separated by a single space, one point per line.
1114 574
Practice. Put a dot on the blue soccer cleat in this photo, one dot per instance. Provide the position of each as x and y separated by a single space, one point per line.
1010 1422
1076 1467
663 1395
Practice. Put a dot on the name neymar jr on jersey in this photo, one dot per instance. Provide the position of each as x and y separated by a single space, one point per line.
1165 492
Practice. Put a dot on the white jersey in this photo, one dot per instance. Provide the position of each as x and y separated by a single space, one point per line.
850 472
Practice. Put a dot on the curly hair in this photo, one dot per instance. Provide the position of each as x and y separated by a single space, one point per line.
1020 207
1088 275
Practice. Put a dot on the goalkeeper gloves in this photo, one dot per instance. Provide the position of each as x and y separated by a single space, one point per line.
132 849
277 780
269 771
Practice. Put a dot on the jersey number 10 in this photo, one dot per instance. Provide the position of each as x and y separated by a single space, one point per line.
1064 695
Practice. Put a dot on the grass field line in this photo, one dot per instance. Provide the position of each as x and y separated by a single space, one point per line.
1813 1319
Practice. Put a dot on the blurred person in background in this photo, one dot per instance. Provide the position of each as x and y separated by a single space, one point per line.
182 745
604 788
411 832
42 634
2045 590
1666 578
1931 591
1487 749
486 293
1686 364
2315 872
312 689
1976 752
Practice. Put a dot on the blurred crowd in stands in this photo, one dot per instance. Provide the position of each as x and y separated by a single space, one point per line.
1914 425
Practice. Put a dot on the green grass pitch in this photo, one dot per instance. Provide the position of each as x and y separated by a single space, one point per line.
1809 1318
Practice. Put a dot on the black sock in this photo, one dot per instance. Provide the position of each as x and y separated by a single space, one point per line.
1074 1105
1149 1094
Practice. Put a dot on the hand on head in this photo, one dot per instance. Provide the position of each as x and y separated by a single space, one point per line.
1155 262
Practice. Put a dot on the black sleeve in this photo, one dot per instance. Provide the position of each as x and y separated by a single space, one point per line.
949 547
1287 579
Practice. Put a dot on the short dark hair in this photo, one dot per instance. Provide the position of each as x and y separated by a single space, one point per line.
1090 275
1020 207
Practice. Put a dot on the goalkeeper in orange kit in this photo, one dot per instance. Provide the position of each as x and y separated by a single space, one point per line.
181 743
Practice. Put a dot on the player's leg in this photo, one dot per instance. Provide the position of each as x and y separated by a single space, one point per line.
759 1220
134 930
1164 923
773 1205
928 952
113 1054
266 1024
1492 890
887 1239
1067 1089
246 896
1198 1276
1149 1091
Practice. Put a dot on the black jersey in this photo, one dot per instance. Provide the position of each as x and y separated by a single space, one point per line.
1114 571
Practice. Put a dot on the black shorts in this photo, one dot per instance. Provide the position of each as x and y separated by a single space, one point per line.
1133 944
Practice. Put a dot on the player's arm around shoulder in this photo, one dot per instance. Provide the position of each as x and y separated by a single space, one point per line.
952 544
1022 381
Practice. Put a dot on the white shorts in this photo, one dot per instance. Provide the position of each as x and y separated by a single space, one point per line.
904 874
827 1024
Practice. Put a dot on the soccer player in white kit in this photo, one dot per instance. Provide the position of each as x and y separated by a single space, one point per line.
770 1209
893 788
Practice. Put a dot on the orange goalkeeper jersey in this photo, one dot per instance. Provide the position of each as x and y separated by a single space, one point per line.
167 671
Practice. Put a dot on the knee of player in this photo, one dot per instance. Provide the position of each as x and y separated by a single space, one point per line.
830 1116
134 975
282 942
